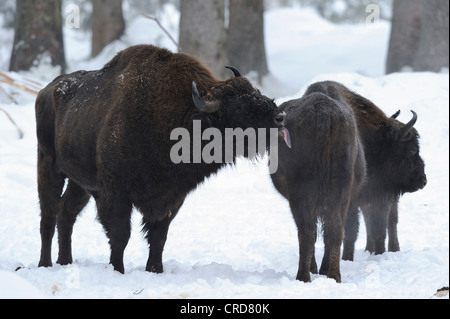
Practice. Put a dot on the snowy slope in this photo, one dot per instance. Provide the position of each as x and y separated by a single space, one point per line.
235 237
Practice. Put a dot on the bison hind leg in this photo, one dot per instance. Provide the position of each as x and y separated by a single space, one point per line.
75 199
50 186
305 217
333 230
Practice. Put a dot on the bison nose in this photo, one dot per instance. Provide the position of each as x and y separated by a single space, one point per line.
280 119
424 181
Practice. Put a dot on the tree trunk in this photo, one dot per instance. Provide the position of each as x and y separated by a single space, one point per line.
38 34
246 45
202 33
433 51
404 41
108 24
420 36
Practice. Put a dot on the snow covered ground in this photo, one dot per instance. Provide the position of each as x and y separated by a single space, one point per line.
235 237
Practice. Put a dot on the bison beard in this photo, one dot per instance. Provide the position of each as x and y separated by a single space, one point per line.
107 133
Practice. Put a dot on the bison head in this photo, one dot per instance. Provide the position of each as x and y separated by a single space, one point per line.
235 103
405 167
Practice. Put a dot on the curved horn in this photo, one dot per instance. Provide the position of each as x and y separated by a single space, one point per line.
206 107
408 127
396 115
234 70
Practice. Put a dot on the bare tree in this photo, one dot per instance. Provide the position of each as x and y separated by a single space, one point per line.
420 36
38 34
433 50
246 46
203 34
108 23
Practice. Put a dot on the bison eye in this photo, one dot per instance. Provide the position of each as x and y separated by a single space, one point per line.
413 153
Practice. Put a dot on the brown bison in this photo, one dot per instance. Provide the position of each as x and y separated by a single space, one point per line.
394 167
107 133
319 175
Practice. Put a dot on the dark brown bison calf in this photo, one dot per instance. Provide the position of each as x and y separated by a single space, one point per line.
320 175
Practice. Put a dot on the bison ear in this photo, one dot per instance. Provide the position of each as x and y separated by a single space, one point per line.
396 115
206 107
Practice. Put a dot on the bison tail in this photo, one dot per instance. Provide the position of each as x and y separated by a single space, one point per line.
336 134
45 122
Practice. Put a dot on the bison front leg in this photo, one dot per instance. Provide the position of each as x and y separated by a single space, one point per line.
114 212
393 245
50 186
376 220
156 233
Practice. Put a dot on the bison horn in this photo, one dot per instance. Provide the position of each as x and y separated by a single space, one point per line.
206 107
396 115
408 127
234 70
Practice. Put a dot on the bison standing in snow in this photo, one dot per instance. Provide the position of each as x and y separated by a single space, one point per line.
107 133
394 167
319 175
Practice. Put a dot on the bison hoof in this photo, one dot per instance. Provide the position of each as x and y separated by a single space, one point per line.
45 264
156 269
304 277
119 268
64 261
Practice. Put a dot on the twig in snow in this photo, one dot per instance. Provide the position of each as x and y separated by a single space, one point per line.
30 87
138 292
14 123
10 97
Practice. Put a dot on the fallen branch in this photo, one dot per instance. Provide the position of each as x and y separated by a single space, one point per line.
165 31
7 77
10 97
14 123
33 87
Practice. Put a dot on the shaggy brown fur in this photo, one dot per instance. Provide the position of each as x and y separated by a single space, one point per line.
108 133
